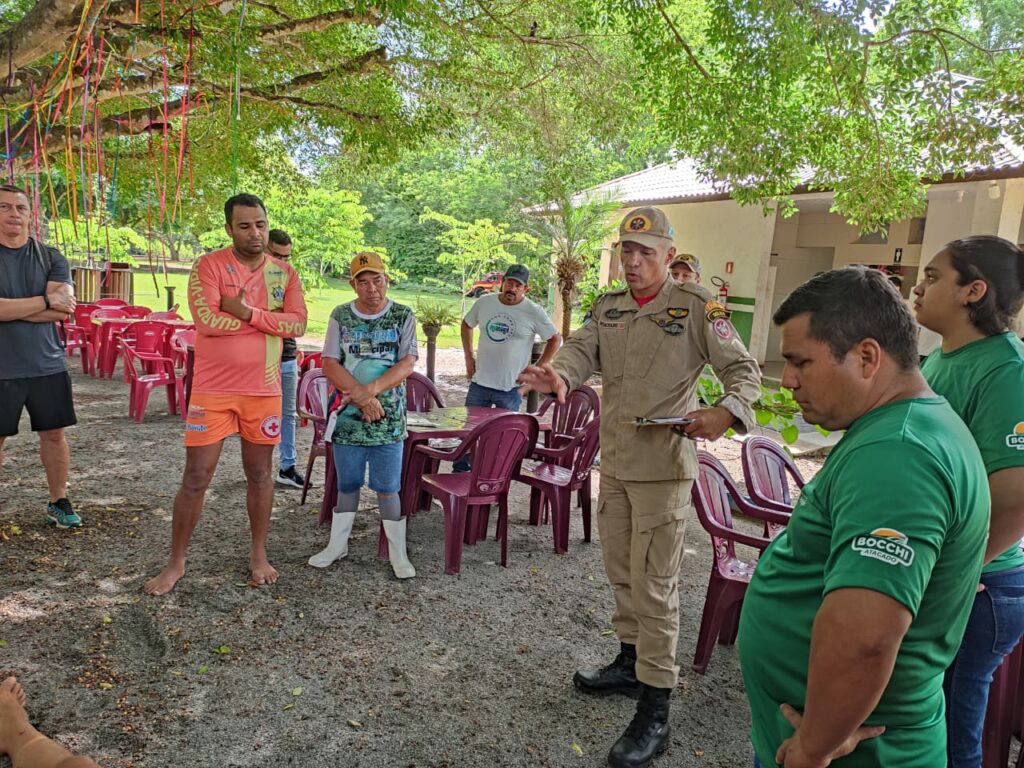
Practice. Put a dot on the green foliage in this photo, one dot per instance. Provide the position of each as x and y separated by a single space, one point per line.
435 313
775 408
860 97
85 239
576 233
476 247
588 298
326 227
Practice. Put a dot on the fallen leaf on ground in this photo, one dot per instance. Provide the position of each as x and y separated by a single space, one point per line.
607 631
222 649
297 691
354 723
577 749
106 686
286 707
204 669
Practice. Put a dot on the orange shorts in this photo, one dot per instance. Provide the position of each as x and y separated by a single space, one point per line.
211 418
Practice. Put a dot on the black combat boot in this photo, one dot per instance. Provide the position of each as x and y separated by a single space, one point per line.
617 677
648 734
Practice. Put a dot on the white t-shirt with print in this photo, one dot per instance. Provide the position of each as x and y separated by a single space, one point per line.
506 338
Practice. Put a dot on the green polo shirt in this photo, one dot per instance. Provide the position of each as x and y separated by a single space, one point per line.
984 382
900 507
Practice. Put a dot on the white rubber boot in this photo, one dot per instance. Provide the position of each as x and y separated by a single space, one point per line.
395 531
337 547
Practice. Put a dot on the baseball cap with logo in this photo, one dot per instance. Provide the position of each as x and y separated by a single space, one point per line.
647 226
367 261
688 260
518 272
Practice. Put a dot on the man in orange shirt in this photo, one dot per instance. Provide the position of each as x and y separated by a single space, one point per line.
243 303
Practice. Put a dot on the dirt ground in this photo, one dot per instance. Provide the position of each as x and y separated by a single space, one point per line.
343 667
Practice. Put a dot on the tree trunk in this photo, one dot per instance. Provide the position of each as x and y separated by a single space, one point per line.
431 332
566 311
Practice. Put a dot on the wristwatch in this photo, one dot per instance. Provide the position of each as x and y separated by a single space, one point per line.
46 300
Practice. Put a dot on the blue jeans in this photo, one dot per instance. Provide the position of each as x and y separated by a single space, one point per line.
993 630
485 397
289 382
385 467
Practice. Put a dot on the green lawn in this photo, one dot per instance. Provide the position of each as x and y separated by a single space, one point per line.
319 303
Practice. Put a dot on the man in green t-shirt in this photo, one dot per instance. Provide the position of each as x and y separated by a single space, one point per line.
858 607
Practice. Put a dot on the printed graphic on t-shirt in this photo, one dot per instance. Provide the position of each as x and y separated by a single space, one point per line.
500 328
885 544
1016 438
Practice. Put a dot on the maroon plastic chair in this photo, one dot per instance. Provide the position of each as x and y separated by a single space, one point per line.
137 310
421 394
565 470
498 447
711 493
1003 717
312 398
581 405
116 303
768 472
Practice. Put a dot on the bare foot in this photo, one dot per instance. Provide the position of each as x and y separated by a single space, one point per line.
262 572
164 582
14 725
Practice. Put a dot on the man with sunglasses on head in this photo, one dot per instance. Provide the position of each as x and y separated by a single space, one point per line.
280 247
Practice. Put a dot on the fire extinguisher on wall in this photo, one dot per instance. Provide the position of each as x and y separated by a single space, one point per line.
723 288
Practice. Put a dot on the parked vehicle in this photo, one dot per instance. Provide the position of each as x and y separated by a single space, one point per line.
489 282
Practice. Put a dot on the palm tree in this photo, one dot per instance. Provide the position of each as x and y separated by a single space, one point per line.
576 234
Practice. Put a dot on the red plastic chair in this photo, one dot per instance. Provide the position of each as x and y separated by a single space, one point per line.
421 394
83 326
168 315
498 447
111 303
711 493
312 398
143 383
135 310
768 472
146 337
310 361
102 340
565 470
179 342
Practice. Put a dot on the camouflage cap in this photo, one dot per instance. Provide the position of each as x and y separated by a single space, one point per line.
688 260
647 226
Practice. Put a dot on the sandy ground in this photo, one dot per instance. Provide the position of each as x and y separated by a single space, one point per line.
344 667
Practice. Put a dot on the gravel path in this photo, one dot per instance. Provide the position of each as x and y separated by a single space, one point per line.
342 667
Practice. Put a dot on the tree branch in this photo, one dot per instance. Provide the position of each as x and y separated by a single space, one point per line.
318 23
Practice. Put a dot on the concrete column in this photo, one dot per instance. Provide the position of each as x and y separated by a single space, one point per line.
763 297
1012 209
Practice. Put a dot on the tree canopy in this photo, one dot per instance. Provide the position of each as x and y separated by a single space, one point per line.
155 109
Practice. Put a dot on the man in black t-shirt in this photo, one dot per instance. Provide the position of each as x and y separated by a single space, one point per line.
35 292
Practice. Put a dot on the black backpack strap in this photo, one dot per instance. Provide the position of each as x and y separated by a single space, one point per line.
45 258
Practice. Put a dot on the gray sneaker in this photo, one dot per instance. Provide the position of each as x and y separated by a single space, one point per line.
62 514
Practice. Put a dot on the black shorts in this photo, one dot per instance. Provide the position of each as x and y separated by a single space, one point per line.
48 399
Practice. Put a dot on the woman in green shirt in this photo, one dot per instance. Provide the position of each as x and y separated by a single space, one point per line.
970 293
